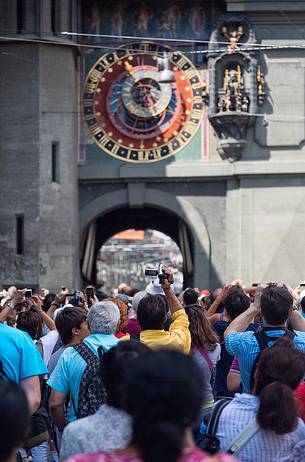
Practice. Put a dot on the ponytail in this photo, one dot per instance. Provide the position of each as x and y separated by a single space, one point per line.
278 409
159 441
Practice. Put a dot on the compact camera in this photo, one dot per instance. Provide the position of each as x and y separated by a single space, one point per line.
75 298
156 273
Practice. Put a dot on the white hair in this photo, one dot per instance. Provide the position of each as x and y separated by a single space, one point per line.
103 318
137 298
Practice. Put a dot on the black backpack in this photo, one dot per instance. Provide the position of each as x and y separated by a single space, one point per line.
92 392
263 339
208 442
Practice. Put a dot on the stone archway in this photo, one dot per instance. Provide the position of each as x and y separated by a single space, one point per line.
136 195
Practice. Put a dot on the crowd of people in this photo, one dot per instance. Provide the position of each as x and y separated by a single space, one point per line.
153 376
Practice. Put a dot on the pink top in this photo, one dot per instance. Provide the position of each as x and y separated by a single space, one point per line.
189 455
235 366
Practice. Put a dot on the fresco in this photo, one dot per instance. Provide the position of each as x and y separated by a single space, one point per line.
163 19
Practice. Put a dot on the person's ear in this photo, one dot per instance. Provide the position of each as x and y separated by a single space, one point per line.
75 332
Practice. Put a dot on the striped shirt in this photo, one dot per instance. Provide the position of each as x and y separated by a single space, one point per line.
265 446
244 346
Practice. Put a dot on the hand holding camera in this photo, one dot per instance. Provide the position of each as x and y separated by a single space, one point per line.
161 276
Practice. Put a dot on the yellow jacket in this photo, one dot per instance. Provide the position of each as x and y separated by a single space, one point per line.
178 336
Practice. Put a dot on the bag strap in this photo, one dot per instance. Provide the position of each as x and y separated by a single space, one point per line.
215 415
243 437
85 352
204 354
263 339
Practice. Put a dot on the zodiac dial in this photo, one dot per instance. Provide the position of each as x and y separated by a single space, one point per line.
133 116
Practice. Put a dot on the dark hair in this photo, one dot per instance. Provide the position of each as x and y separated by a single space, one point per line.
164 398
15 418
190 296
47 301
279 371
67 319
236 302
30 322
114 366
202 333
152 311
303 304
276 303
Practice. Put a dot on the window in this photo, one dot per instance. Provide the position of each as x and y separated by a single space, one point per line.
53 17
20 16
55 151
19 234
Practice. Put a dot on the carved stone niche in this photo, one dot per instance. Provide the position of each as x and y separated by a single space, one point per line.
236 83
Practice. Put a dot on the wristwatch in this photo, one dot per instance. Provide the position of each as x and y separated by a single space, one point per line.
10 304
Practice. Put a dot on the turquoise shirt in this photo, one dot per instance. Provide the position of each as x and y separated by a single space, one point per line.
19 355
67 375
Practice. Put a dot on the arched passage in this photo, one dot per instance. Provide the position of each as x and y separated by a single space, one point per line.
123 209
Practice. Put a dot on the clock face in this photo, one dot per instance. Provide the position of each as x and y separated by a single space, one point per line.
134 117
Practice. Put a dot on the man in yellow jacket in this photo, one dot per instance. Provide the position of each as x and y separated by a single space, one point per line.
152 314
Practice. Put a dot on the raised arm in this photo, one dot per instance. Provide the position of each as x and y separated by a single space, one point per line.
219 299
60 297
37 306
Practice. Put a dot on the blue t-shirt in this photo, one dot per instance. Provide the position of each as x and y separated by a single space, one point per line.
19 355
245 347
67 375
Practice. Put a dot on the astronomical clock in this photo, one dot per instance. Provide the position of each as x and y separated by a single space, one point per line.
134 117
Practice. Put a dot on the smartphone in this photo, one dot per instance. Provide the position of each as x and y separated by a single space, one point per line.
90 293
28 293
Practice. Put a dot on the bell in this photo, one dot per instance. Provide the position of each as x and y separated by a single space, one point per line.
165 74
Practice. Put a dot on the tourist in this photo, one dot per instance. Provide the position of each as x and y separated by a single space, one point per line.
110 427
103 319
72 326
152 315
280 434
164 398
205 350
274 303
15 420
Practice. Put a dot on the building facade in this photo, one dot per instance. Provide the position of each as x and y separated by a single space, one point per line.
93 142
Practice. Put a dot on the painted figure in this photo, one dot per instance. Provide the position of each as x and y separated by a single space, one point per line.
197 20
169 22
145 14
117 21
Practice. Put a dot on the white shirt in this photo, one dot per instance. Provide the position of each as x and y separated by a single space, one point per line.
265 446
107 429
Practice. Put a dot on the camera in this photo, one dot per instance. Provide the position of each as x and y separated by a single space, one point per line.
28 293
75 298
156 273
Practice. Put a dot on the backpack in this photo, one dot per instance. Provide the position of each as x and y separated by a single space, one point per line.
92 392
263 342
208 442
211 444
263 339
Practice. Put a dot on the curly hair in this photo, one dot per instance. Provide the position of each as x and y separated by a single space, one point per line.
202 333
123 310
